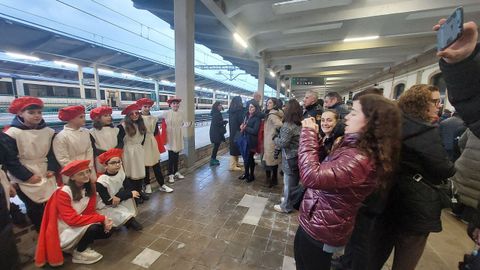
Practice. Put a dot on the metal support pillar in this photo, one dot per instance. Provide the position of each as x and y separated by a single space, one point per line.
80 82
261 79
279 84
184 21
97 86
214 96
157 98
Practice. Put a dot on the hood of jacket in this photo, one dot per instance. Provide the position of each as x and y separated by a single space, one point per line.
18 122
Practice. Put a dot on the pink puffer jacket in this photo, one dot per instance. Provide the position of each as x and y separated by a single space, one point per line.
335 188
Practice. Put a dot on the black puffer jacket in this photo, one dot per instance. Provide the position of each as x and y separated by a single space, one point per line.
235 117
414 207
217 127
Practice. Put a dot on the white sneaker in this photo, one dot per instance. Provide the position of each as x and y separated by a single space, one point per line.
179 175
278 208
148 189
86 257
282 199
171 178
166 189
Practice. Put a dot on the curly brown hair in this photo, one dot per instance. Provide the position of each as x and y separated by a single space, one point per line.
415 101
381 137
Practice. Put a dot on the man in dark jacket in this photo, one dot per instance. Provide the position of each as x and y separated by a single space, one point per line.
313 107
333 101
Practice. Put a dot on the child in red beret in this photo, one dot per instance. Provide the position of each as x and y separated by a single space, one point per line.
103 134
33 139
152 155
71 223
73 142
116 199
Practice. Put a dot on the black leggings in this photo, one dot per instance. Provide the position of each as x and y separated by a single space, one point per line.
173 158
34 210
215 150
158 174
249 164
309 254
94 232
272 171
135 185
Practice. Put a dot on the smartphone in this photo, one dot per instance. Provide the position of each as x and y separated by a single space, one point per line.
451 30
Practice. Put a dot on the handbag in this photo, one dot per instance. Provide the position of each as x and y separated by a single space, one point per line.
435 191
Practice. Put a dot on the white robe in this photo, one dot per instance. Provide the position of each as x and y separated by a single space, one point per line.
122 212
134 155
70 236
70 145
175 124
152 155
105 139
33 147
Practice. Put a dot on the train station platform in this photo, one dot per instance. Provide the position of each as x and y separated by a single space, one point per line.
214 221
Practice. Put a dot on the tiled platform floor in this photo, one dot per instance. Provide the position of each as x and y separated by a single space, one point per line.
199 227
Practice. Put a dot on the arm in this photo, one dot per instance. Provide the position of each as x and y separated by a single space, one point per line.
284 138
254 129
156 131
71 217
52 163
124 194
120 136
97 152
60 150
349 169
104 195
8 147
462 142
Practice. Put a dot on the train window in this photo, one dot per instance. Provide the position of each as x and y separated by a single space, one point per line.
102 94
36 90
163 98
439 82
90 94
397 92
6 88
66 92
205 101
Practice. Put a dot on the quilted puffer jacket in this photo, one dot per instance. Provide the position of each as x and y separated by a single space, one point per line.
336 187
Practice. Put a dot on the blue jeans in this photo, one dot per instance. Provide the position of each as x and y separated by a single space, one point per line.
291 188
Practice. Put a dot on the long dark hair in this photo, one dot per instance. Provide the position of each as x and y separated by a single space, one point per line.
381 137
215 107
293 112
236 104
130 125
275 103
77 191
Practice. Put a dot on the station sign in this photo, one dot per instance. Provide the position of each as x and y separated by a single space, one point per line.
308 81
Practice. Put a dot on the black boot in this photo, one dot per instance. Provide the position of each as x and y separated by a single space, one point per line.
134 224
274 176
268 178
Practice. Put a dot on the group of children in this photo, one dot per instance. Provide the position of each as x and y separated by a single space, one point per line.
79 184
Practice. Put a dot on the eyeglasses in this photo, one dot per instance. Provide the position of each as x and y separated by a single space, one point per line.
114 162
436 101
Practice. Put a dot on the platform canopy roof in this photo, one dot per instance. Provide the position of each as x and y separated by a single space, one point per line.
47 44
344 41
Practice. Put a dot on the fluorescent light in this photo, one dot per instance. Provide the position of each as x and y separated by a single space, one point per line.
360 38
282 84
105 71
65 64
22 56
289 2
314 28
272 73
165 82
240 40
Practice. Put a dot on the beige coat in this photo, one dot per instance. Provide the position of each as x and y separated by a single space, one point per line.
272 122
175 125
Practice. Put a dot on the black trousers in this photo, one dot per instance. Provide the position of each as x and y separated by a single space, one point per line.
249 164
135 185
309 254
158 174
173 158
34 210
216 146
272 174
94 232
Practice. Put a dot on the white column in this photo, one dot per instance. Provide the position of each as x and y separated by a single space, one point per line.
279 85
80 82
157 99
214 95
261 78
184 21
229 98
97 86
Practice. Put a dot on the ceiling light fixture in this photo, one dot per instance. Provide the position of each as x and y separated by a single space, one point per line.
22 56
361 38
272 73
282 84
240 40
65 64
289 2
105 71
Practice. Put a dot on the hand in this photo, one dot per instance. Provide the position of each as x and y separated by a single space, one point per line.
35 179
476 236
115 201
135 194
50 174
12 192
310 123
463 47
107 224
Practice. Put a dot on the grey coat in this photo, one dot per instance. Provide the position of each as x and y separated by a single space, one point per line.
467 177
288 139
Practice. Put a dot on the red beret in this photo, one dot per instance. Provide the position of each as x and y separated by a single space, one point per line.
145 101
70 112
75 166
99 111
106 156
19 104
172 99
131 108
